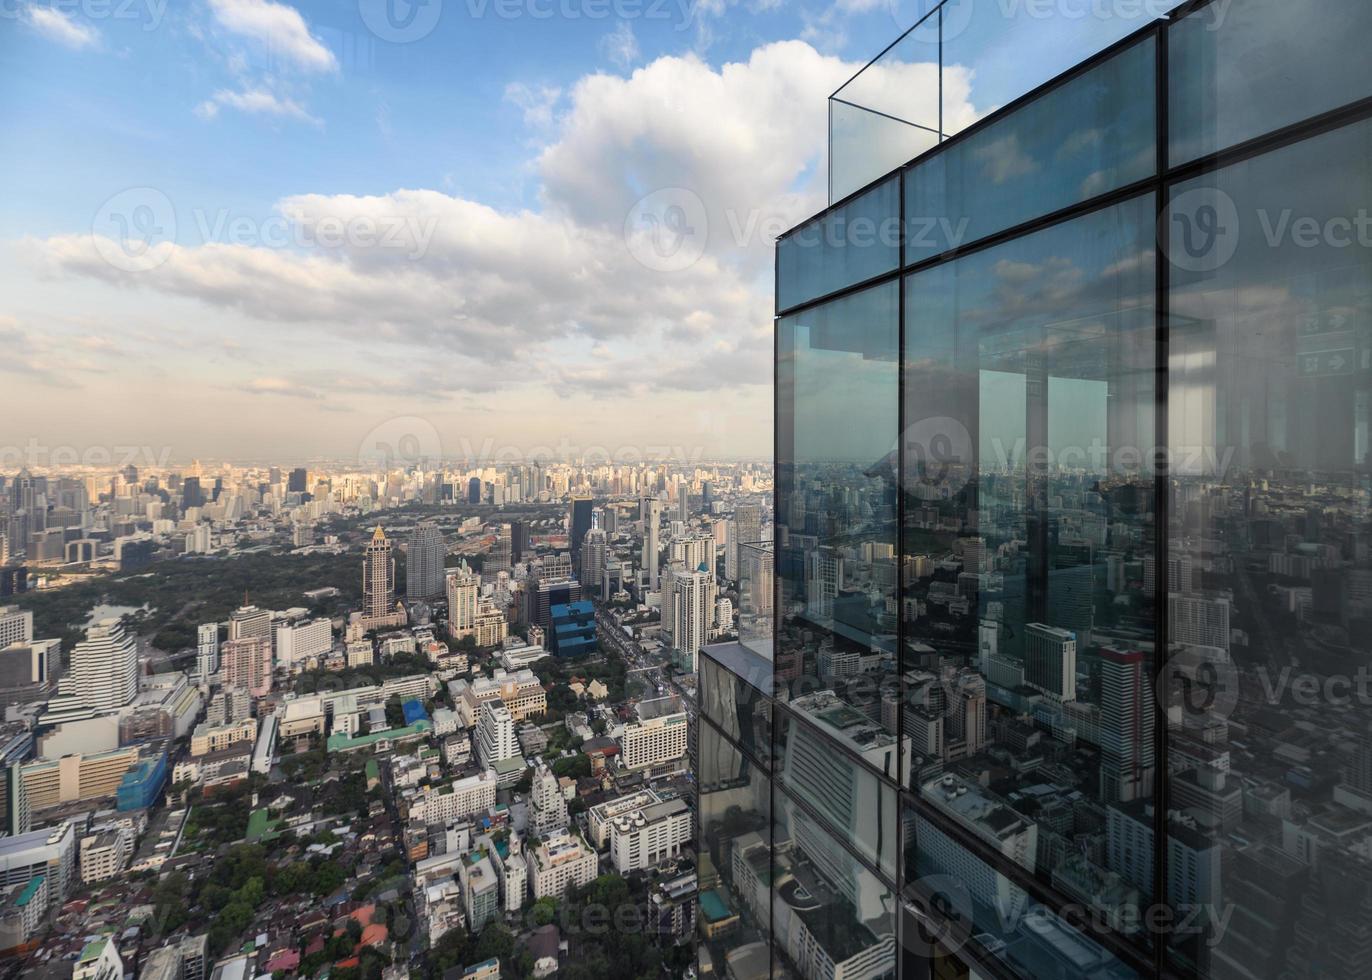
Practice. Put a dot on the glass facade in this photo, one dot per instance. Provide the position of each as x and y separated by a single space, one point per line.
1071 592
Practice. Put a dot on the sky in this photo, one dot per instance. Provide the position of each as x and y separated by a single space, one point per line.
246 229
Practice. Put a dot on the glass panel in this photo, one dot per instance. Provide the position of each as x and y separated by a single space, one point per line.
837 415
1029 529
831 916
1239 70
756 597
1270 576
1087 137
816 760
847 245
735 870
866 145
736 706
965 899
995 52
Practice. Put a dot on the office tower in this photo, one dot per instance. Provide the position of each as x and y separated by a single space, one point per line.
246 664
104 667
689 612
207 650
519 540
578 523
650 515
14 802
1126 726
474 490
249 622
463 592
298 481
16 625
683 503
191 493
500 557
593 555
378 579
745 528
424 556
1050 661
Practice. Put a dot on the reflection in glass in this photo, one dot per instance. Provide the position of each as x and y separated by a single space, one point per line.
831 916
1093 134
735 859
1028 542
845 246
837 414
1269 571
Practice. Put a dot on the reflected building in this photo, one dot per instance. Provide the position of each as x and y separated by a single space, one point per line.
1071 469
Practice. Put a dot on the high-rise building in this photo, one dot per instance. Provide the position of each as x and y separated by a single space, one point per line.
650 514
688 614
16 625
594 551
1050 661
578 523
378 582
424 562
104 667
745 528
250 623
246 664
207 650
1067 468
548 805
463 591
298 481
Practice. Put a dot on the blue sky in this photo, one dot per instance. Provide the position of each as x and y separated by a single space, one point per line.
518 160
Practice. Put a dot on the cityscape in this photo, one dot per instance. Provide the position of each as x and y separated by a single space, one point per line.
655 491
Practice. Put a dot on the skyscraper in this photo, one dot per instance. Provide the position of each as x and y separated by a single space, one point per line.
594 552
1126 726
378 578
424 562
298 481
104 667
744 529
650 514
689 611
578 523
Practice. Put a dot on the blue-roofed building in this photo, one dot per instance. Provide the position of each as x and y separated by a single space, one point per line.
573 629
143 782
414 711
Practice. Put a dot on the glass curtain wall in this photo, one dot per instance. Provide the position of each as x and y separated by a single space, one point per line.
1073 585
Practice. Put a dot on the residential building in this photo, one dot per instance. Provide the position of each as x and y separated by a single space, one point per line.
645 838
558 862
657 735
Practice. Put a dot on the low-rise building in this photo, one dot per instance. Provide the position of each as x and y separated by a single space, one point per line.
560 861
644 838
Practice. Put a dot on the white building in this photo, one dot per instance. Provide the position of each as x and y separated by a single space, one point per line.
463 798
104 667
644 838
549 806
103 855
559 862
659 734
297 641
598 817
495 734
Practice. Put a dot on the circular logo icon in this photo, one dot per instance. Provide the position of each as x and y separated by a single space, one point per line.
937 449
935 21
400 443
1199 229
1198 683
400 21
666 230
941 906
135 229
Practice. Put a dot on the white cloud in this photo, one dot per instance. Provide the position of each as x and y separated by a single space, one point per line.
535 101
279 27
56 25
255 102
620 46
534 293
